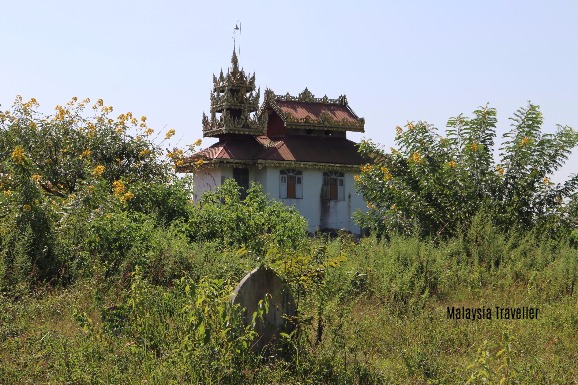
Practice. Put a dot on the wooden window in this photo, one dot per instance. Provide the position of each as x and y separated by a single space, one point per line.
333 188
290 184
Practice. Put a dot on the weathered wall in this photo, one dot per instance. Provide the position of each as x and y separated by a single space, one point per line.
337 215
205 180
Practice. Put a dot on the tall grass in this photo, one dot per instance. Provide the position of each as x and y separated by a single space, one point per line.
372 312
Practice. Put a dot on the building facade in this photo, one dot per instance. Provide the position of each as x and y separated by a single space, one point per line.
294 146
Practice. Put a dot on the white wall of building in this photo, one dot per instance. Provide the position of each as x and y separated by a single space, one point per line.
205 180
321 214
334 214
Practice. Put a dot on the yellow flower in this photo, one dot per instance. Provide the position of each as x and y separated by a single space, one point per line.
199 162
118 187
18 155
86 153
398 130
394 207
410 126
98 170
7 193
175 154
474 146
499 170
128 196
61 113
393 150
32 102
149 131
356 178
546 181
197 142
416 157
170 133
143 118
26 207
452 164
36 177
144 152
366 168
525 141
386 174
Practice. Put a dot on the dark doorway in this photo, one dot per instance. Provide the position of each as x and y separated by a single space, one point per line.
241 176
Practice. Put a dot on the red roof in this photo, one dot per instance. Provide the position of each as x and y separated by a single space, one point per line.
317 149
306 110
295 148
305 113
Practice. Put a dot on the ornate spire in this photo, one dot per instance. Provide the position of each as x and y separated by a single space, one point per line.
233 104
234 62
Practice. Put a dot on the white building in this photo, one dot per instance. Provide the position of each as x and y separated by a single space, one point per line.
295 147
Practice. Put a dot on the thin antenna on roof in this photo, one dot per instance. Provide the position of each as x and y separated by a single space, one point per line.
237 28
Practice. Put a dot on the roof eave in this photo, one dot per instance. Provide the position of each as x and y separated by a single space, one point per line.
189 167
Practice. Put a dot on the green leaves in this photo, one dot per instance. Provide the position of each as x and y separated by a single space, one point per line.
435 185
252 222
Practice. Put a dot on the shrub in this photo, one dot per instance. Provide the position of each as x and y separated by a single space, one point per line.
252 222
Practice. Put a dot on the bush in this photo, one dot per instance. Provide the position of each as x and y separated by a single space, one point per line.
252 222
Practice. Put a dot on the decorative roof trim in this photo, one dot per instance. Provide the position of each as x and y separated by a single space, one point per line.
308 97
233 103
328 126
214 163
325 120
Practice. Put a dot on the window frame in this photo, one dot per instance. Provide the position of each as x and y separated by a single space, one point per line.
333 186
290 184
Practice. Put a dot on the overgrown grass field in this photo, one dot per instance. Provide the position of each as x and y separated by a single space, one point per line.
382 307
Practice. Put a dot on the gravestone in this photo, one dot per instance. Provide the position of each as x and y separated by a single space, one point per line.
252 289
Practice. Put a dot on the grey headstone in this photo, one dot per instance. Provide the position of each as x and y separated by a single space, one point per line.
250 291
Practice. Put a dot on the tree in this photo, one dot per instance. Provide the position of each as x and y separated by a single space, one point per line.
436 185
54 168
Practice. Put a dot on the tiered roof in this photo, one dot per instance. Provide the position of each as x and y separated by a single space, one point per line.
297 151
288 131
233 103
307 111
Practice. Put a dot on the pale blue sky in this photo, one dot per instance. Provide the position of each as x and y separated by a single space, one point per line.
395 61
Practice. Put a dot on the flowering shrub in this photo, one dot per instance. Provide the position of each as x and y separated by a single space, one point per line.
60 172
435 185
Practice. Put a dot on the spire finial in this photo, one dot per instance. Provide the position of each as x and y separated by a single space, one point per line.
237 28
